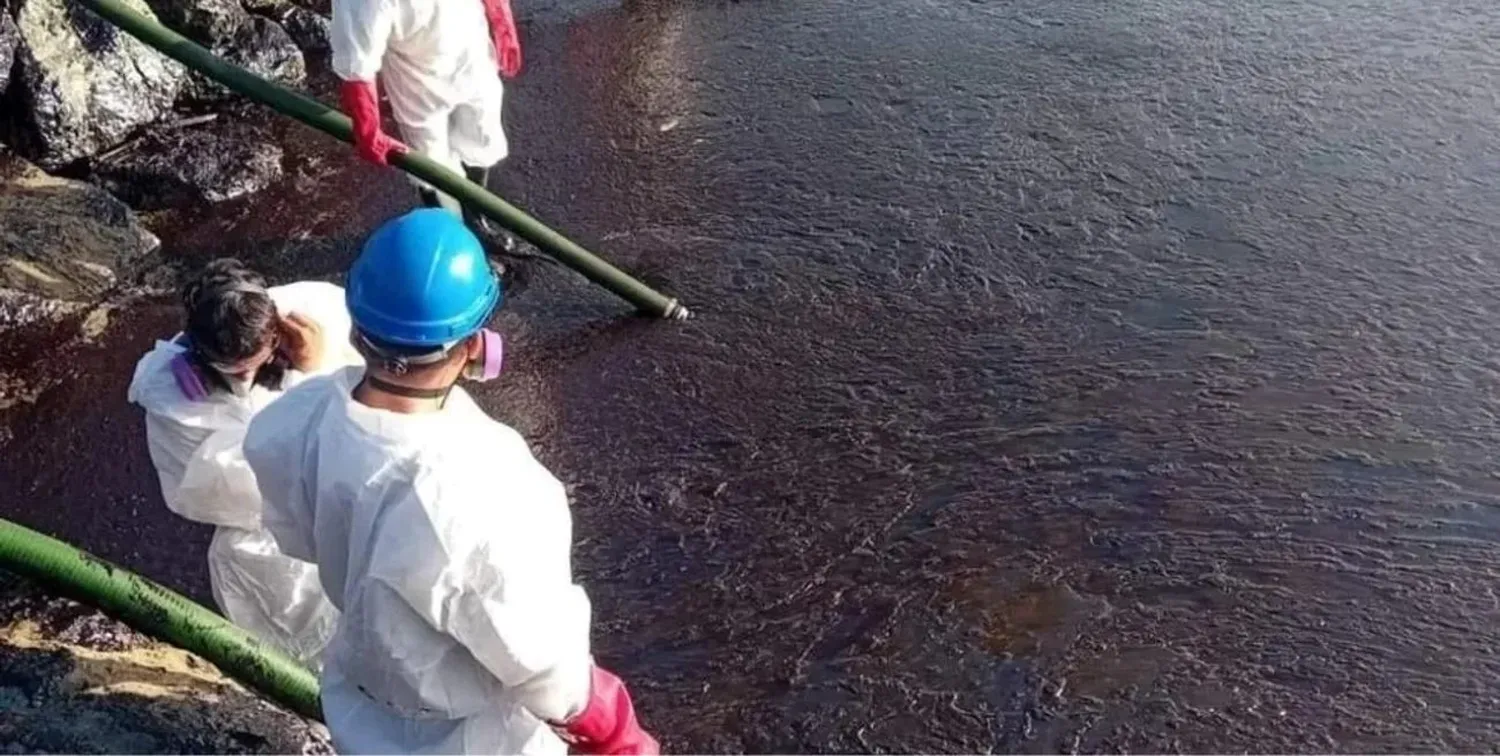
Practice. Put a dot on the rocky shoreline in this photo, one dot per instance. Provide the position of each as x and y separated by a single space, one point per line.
97 128
75 681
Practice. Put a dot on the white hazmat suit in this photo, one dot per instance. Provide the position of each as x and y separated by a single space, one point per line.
446 545
437 63
196 447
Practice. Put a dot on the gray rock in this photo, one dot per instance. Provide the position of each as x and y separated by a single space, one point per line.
9 38
224 160
84 85
63 239
20 309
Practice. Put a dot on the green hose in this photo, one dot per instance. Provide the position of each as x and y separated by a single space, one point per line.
324 118
160 613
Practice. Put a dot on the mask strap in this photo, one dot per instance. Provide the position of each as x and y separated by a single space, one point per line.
399 363
245 288
188 381
408 391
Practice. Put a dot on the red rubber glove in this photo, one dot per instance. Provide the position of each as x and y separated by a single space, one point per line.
503 32
608 725
370 142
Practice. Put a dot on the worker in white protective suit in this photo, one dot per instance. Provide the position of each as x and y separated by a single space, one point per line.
440 62
243 344
440 537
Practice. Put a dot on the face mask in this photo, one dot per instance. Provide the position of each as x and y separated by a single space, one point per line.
192 385
191 382
487 367
239 386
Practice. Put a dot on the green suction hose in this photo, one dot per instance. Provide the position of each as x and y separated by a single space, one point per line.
160 613
336 124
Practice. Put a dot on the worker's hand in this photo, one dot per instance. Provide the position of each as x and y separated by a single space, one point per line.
378 148
608 724
370 142
301 341
505 36
508 51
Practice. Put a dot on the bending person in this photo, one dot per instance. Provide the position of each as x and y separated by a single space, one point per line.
440 537
242 346
441 63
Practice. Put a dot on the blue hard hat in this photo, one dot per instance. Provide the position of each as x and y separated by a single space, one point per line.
421 280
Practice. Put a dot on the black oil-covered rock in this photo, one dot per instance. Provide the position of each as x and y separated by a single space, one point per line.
307 27
62 239
207 21
250 41
264 48
228 158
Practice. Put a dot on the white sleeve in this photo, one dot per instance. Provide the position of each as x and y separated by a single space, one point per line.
202 471
531 632
273 447
170 444
217 485
358 36
509 594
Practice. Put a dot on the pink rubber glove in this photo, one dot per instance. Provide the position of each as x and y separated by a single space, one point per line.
608 725
370 142
503 32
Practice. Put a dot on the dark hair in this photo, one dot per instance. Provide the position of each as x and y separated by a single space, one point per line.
230 317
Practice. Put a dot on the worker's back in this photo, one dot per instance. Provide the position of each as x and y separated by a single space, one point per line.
431 54
430 531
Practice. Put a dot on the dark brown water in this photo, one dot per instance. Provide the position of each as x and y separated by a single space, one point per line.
1067 375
